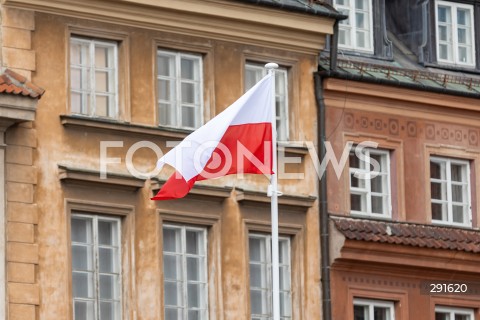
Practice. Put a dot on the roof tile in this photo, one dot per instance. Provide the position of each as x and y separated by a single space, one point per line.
425 236
14 83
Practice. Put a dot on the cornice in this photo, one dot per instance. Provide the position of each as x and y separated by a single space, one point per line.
260 198
215 19
199 191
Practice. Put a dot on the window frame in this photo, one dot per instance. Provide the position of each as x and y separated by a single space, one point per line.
455 310
367 189
283 129
177 80
468 215
352 28
183 228
454 6
269 286
372 303
96 269
90 84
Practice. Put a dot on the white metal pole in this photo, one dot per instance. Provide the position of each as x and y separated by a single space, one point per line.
274 203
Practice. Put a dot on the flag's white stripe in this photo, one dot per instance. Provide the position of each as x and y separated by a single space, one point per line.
190 157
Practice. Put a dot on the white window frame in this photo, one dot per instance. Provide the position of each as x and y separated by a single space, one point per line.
350 25
96 299
371 304
269 286
88 86
366 175
455 311
184 308
282 116
454 33
177 81
467 215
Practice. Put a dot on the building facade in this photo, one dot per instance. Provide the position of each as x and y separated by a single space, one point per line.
403 211
123 82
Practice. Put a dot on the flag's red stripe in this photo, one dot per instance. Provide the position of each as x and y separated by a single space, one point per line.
251 136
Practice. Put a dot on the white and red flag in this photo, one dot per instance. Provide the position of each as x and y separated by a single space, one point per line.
238 140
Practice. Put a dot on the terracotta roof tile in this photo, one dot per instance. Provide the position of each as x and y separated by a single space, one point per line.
424 236
14 83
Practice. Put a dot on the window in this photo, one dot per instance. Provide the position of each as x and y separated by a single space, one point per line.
185 272
180 89
93 77
449 313
96 274
355 33
370 183
450 190
261 277
373 310
455 33
253 74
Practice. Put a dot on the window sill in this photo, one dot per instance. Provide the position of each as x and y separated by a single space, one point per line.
451 67
106 125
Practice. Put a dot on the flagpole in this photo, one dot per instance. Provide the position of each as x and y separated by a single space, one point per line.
273 193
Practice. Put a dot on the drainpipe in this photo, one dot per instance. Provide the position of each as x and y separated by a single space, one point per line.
323 204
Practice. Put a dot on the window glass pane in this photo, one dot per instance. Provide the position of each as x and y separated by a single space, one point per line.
457 172
195 295
463 17
107 286
444 51
284 278
107 231
165 90
76 78
439 211
462 36
167 114
81 230
462 317
437 170
258 301
443 33
360 312
343 37
444 14
285 307
188 93
457 193
356 182
165 66
171 240
257 249
173 294
188 69
101 57
381 313
442 316
76 102
358 202
377 205
438 190
75 53
195 269
377 184
463 55
458 214
172 267
360 4
82 258
188 117
173 314
361 20
107 260
361 39
194 314
107 310
82 283
258 274
83 310
101 81
101 106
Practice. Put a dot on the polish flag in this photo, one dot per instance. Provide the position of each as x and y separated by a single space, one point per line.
238 140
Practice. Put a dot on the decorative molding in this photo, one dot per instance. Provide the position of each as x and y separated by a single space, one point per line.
126 128
199 191
214 19
256 197
97 207
80 176
188 217
266 226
